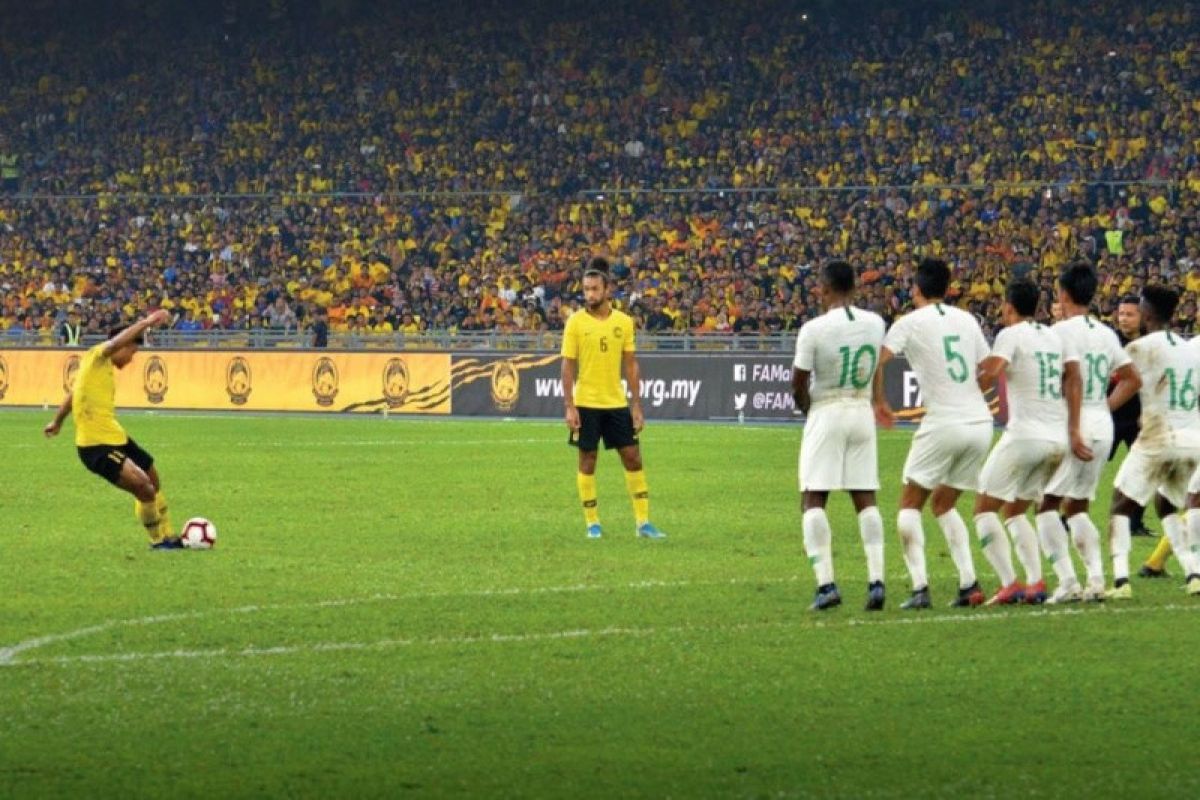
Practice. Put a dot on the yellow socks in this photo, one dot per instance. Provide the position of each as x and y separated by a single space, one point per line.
587 495
1158 559
639 494
164 519
147 514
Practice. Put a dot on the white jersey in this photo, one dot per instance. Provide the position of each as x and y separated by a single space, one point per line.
1100 354
1036 357
943 345
1170 370
840 349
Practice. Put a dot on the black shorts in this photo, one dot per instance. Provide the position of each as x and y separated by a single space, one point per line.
1123 433
106 460
613 425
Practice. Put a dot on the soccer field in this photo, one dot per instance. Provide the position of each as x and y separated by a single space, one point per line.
408 608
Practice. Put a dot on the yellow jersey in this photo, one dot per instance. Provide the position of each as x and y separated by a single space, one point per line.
597 345
93 403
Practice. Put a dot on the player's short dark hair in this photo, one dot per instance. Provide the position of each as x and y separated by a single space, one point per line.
1079 281
839 275
1024 297
117 331
1129 300
597 268
933 278
1162 301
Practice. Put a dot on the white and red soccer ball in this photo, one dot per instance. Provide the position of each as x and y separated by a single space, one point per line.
198 534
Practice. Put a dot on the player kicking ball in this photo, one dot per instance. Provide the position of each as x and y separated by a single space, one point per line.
944 346
836 355
103 445
1042 373
1073 487
598 344
1167 450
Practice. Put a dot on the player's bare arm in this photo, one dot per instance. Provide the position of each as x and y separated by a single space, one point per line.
633 377
134 332
800 390
1129 383
989 371
1072 388
55 425
569 369
884 415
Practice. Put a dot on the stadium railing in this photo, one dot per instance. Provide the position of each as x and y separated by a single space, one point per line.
267 338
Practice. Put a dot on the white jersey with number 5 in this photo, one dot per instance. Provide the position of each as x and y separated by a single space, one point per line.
840 349
1100 355
1170 370
943 345
1036 357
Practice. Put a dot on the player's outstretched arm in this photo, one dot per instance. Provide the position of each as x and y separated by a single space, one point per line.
884 415
1072 389
55 425
1129 383
135 331
633 377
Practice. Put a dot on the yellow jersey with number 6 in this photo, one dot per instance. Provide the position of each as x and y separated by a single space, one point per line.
93 401
598 345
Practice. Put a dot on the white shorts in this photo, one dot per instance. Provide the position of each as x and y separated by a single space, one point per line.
1019 469
1194 483
949 455
1078 479
1164 470
838 449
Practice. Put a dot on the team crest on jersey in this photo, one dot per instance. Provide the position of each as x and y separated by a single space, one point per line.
154 379
618 332
395 382
324 381
70 370
506 385
3 377
237 380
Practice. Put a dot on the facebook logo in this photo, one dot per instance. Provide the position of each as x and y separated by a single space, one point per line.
739 372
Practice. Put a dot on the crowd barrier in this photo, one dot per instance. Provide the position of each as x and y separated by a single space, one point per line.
683 386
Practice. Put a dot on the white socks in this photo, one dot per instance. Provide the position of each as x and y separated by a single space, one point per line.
1054 543
995 546
1087 542
1026 543
1179 536
1121 543
1193 537
818 544
959 541
870 527
912 540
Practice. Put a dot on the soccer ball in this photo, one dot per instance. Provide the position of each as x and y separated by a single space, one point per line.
198 534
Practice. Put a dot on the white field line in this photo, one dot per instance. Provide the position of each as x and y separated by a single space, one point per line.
253 651
9 654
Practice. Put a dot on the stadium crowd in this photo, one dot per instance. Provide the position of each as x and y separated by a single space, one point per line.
452 166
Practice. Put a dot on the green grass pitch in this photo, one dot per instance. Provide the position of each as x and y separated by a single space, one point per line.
402 608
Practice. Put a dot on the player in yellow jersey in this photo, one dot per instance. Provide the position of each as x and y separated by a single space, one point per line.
598 344
104 447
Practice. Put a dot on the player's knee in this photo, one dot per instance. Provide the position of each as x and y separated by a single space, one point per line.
144 491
